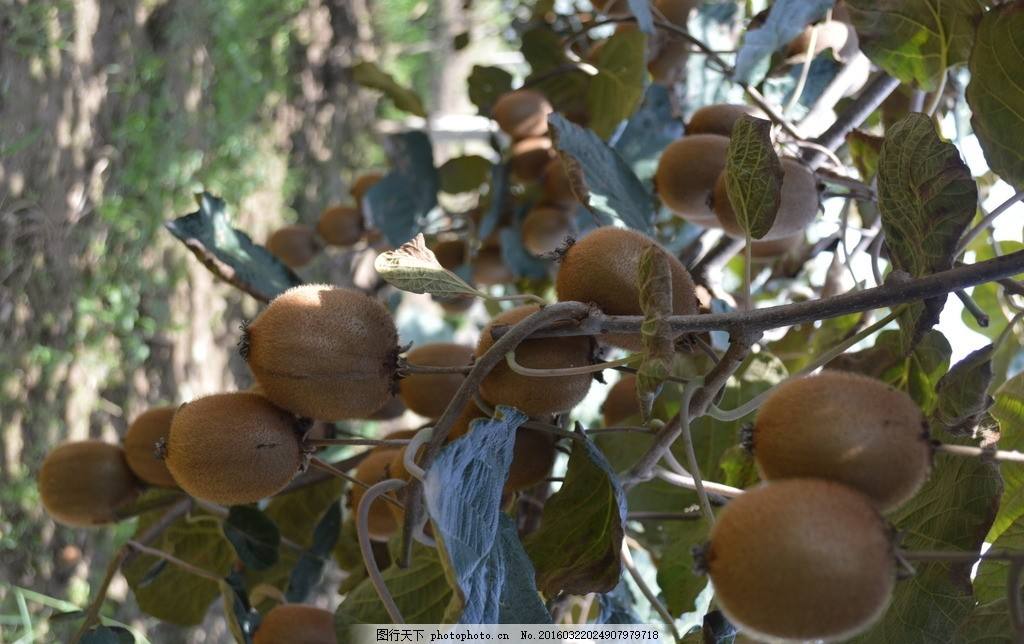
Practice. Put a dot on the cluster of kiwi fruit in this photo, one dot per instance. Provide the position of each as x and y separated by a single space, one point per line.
339 225
807 554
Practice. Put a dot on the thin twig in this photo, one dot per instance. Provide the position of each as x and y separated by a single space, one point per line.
327 467
168 557
987 221
691 455
972 307
856 113
92 613
650 515
409 368
987 453
936 99
690 483
510 359
627 563
804 72
327 442
363 534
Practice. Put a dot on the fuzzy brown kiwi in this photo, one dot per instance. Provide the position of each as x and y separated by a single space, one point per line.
362 184
83 483
233 448
522 114
536 395
801 559
296 624
429 394
686 175
489 268
557 187
545 229
450 253
836 35
845 427
622 403
373 469
295 246
149 428
530 157
323 352
799 205
341 225
604 268
719 118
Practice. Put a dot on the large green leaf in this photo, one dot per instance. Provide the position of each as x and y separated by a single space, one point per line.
486 84
677 577
754 175
297 513
988 624
995 93
565 88
368 74
915 41
254 535
464 174
615 91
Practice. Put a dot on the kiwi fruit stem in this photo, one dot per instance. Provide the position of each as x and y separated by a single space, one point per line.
326 442
510 358
327 467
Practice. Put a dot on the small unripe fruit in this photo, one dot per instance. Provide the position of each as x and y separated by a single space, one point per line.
489 268
686 175
845 427
233 448
450 253
797 209
800 560
341 225
429 394
719 118
622 402
324 353
557 187
295 246
545 229
535 395
604 268
140 442
362 184
296 624
522 114
83 483
530 157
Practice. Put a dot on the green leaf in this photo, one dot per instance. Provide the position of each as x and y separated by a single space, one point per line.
370 75
108 635
566 90
242 619
738 467
915 41
461 41
616 90
398 203
600 177
988 624
464 174
753 175
254 536
994 93
656 334
962 394
310 567
786 20
679 583
648 132
414 268
927 199
297 513
486 84
229 253
864 150
578 547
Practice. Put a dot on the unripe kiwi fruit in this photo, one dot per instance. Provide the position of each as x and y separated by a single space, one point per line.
845 427
295 246
489 268
545 229
373 469
323 352
140 442
362 184
450 253
233 448
429 394
535 395
801 559
557 187
83 483
797 209
296 624
604 268
719 118
341 225
522 114
686 175
530 157
622 403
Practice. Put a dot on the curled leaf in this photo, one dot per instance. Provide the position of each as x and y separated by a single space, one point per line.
413 267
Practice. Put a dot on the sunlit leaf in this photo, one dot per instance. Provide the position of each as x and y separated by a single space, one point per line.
413 267
368 74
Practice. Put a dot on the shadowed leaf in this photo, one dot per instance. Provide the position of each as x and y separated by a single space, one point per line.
398 203
962 394
370 75
753 175
254 536
486 84
615 91
655 332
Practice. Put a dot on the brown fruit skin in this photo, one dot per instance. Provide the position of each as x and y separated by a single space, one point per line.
450 253
324 353
719 118
373 469
545 229
140 445
295 246
530 157
836 35
363 183
768 250
622 402
604 268
522 114
797 210
686 175
848 428
557 187
296 624
536 396
83 483
489 268
341 225
429 394
801 559
233 448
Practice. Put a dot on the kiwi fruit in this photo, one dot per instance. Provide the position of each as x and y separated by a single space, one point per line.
233 448
489 268
797 209
686 175
535 395
140 442
719 118
323 352
522 114
545 229
622 403
530 157
557 187
362 184
836 35
450 253
604 268
801 559
376 467
296 624
341 225
295 246
83 483
429 394
845 427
